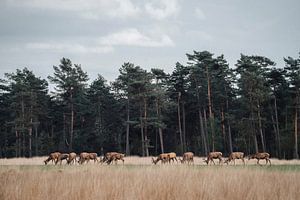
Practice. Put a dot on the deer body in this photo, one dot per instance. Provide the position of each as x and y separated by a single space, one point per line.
112 156
213 155
164 157
187 157
93 156
52 157
235 155
261 156
72 158
172 156
84 157
61 157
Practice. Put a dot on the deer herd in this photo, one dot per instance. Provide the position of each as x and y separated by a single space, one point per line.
187 157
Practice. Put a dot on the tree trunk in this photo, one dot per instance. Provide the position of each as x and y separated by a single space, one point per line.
254 132
30 140
275 134
211 116
36 140
23 127
183 127
204 140
145 126
179 122
206 130
228 123
142 130
203 128
223 127
296 155
253 126
277 128
17 143
23 143
72 124
229 137
127 129
64 130
159 128
260 129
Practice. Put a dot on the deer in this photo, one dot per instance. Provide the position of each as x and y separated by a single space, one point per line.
116 157
260 156
164 157
187 157
107 157
112 156
84 156
172 156
61 157
235 155
72 158
213 155
52 157
93 156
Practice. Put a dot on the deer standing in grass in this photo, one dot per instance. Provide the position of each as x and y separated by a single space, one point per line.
235 155
112 156
93 156
52 157
260 156
213 155
164 157
61 157
187 157
84 157
72 158
172 156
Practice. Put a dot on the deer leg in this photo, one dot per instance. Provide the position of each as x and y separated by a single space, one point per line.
243 161
213 161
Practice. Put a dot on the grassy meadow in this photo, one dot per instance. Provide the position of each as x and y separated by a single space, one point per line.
29 179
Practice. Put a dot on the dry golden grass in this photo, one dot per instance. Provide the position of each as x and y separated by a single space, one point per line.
137 179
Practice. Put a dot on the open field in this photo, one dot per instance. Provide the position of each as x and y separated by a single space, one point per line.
138 179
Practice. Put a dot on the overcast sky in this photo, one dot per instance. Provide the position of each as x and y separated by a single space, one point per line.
103 34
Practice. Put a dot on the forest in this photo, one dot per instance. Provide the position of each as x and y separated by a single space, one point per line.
201 106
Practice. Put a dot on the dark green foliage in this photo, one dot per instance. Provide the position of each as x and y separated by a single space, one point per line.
202 106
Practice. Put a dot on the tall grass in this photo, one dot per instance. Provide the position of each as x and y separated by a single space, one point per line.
130 182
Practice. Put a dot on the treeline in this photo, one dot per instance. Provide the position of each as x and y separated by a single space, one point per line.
202 106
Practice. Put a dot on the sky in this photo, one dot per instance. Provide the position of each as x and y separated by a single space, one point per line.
103 34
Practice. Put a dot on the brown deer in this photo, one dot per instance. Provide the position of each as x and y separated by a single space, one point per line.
107 157
93 156
116 157
213 155
235 155
84 157
52 157
260 156
164 157
112 156
187 157
172 156
72 158
61 157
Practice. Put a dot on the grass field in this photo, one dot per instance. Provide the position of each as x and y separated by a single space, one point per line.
138 179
